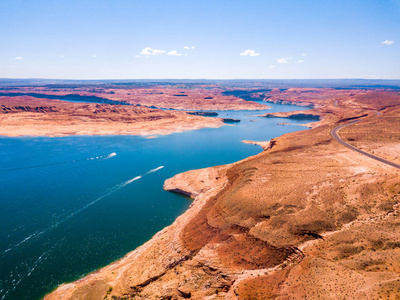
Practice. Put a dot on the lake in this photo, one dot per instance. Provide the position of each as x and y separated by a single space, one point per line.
70 205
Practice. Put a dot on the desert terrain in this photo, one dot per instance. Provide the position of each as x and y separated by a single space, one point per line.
175 97
305 219
40 110
29 116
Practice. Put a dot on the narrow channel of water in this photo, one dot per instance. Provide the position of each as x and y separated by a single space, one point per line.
71 205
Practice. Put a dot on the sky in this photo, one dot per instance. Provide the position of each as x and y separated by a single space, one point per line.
200 39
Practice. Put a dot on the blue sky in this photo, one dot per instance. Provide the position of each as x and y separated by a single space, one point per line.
193 39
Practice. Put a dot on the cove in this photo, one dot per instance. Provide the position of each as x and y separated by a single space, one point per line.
71 205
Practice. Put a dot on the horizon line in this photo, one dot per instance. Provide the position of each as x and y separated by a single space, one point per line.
160 79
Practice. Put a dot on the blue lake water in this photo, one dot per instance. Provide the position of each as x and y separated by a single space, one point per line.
71 205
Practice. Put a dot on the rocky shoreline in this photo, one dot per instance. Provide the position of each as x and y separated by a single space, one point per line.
143 266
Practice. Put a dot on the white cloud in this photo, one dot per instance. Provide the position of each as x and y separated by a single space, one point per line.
272 66
304 54
94 56
249 53
137 56
284 60
188 48
149 51
387 42
300 61
174 53
192 47
19 57
61 56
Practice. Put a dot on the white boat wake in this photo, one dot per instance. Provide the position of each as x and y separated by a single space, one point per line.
154 170
102 157
106 194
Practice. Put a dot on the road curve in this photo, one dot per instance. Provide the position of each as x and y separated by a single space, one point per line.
336 136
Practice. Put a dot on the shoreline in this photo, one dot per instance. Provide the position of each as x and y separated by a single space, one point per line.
264 145
150 133
201 194
188 247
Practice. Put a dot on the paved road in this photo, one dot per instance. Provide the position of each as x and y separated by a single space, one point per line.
336 136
